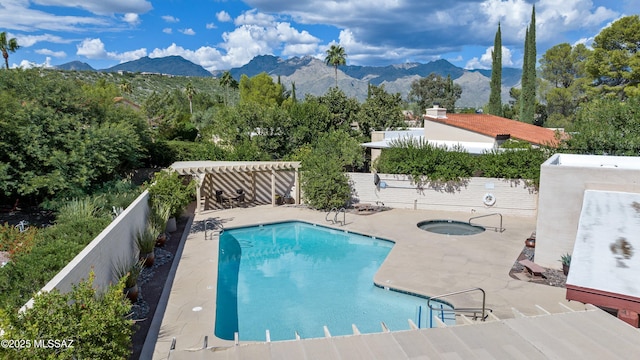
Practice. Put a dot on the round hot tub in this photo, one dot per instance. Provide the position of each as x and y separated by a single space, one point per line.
450 227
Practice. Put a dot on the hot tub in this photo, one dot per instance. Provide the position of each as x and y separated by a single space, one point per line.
450 227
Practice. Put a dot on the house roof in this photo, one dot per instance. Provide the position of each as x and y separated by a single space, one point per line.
494 126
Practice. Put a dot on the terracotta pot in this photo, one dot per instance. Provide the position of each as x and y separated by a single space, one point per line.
161 239
530 242
132 293
149 258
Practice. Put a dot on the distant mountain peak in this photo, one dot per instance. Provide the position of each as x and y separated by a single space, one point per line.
75 66
170 65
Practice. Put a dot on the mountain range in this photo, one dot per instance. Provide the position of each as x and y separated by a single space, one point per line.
313 76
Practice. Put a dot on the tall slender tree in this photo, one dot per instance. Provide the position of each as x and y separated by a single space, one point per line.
7 46
190 91
336 56
528 94
495 98
227 81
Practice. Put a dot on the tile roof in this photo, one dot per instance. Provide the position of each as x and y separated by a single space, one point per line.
493 126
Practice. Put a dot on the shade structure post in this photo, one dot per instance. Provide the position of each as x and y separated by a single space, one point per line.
273 187
297 186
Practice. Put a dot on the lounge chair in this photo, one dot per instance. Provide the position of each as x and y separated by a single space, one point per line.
240 198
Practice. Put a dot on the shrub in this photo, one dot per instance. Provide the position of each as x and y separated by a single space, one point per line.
16 242
324 183
168 188
96 324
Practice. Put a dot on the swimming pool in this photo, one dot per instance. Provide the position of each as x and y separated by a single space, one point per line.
297 277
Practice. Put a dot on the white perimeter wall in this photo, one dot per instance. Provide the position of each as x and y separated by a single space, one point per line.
563 181
512 197
113 245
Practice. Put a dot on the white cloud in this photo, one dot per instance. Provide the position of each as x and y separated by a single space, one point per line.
188 31
253 17
208 57
167 30
30 40
102 7
170 19
223 16
58 54
131 18
210 26
94 49
25 64
486 61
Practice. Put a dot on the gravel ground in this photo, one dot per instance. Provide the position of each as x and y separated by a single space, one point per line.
552 277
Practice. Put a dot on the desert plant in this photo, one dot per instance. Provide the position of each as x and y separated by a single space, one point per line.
146 240
160 213
566 259
128 271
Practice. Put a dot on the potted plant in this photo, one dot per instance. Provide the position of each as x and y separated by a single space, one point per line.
169 189
566 263
130 273
146 242
158 219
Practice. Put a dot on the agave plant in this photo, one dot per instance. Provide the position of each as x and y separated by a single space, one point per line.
129 271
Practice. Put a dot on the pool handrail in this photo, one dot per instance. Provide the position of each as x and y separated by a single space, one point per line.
483 310
501 229
215 225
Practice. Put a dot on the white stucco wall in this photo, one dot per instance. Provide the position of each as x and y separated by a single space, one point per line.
512 197
438 131
113 245
563 181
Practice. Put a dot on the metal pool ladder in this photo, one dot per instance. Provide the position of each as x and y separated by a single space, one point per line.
473 311
215 225
501 229
335 217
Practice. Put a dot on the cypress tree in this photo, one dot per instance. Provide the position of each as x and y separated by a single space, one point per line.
495 99
528 94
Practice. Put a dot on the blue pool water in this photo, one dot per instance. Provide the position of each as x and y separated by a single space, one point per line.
295 276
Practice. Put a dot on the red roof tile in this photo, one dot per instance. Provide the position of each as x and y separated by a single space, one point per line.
493 126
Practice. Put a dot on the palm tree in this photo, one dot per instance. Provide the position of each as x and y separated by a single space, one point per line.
7 46
336 56
226 80
190 91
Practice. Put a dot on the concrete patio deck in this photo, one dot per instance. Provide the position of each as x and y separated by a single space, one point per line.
420 262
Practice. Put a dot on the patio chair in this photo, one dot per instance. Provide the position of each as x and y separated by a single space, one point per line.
240 198
221 199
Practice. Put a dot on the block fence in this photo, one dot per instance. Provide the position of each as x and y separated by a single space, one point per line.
512 197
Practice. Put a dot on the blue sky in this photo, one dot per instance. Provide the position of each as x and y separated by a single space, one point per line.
222 34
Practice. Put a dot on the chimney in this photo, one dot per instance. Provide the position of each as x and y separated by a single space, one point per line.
436 112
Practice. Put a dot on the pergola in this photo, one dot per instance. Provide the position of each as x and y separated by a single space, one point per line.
201 169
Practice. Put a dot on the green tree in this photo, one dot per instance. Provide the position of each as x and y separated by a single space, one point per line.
435 89
7 46
336 56
562 68
528 94
495 97
380 111
343 109
606 126
614 65
324 182
260 89
125 87
95 325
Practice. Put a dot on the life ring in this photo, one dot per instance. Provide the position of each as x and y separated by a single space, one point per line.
488 199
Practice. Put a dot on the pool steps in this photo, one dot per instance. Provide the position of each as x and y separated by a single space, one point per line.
464 321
